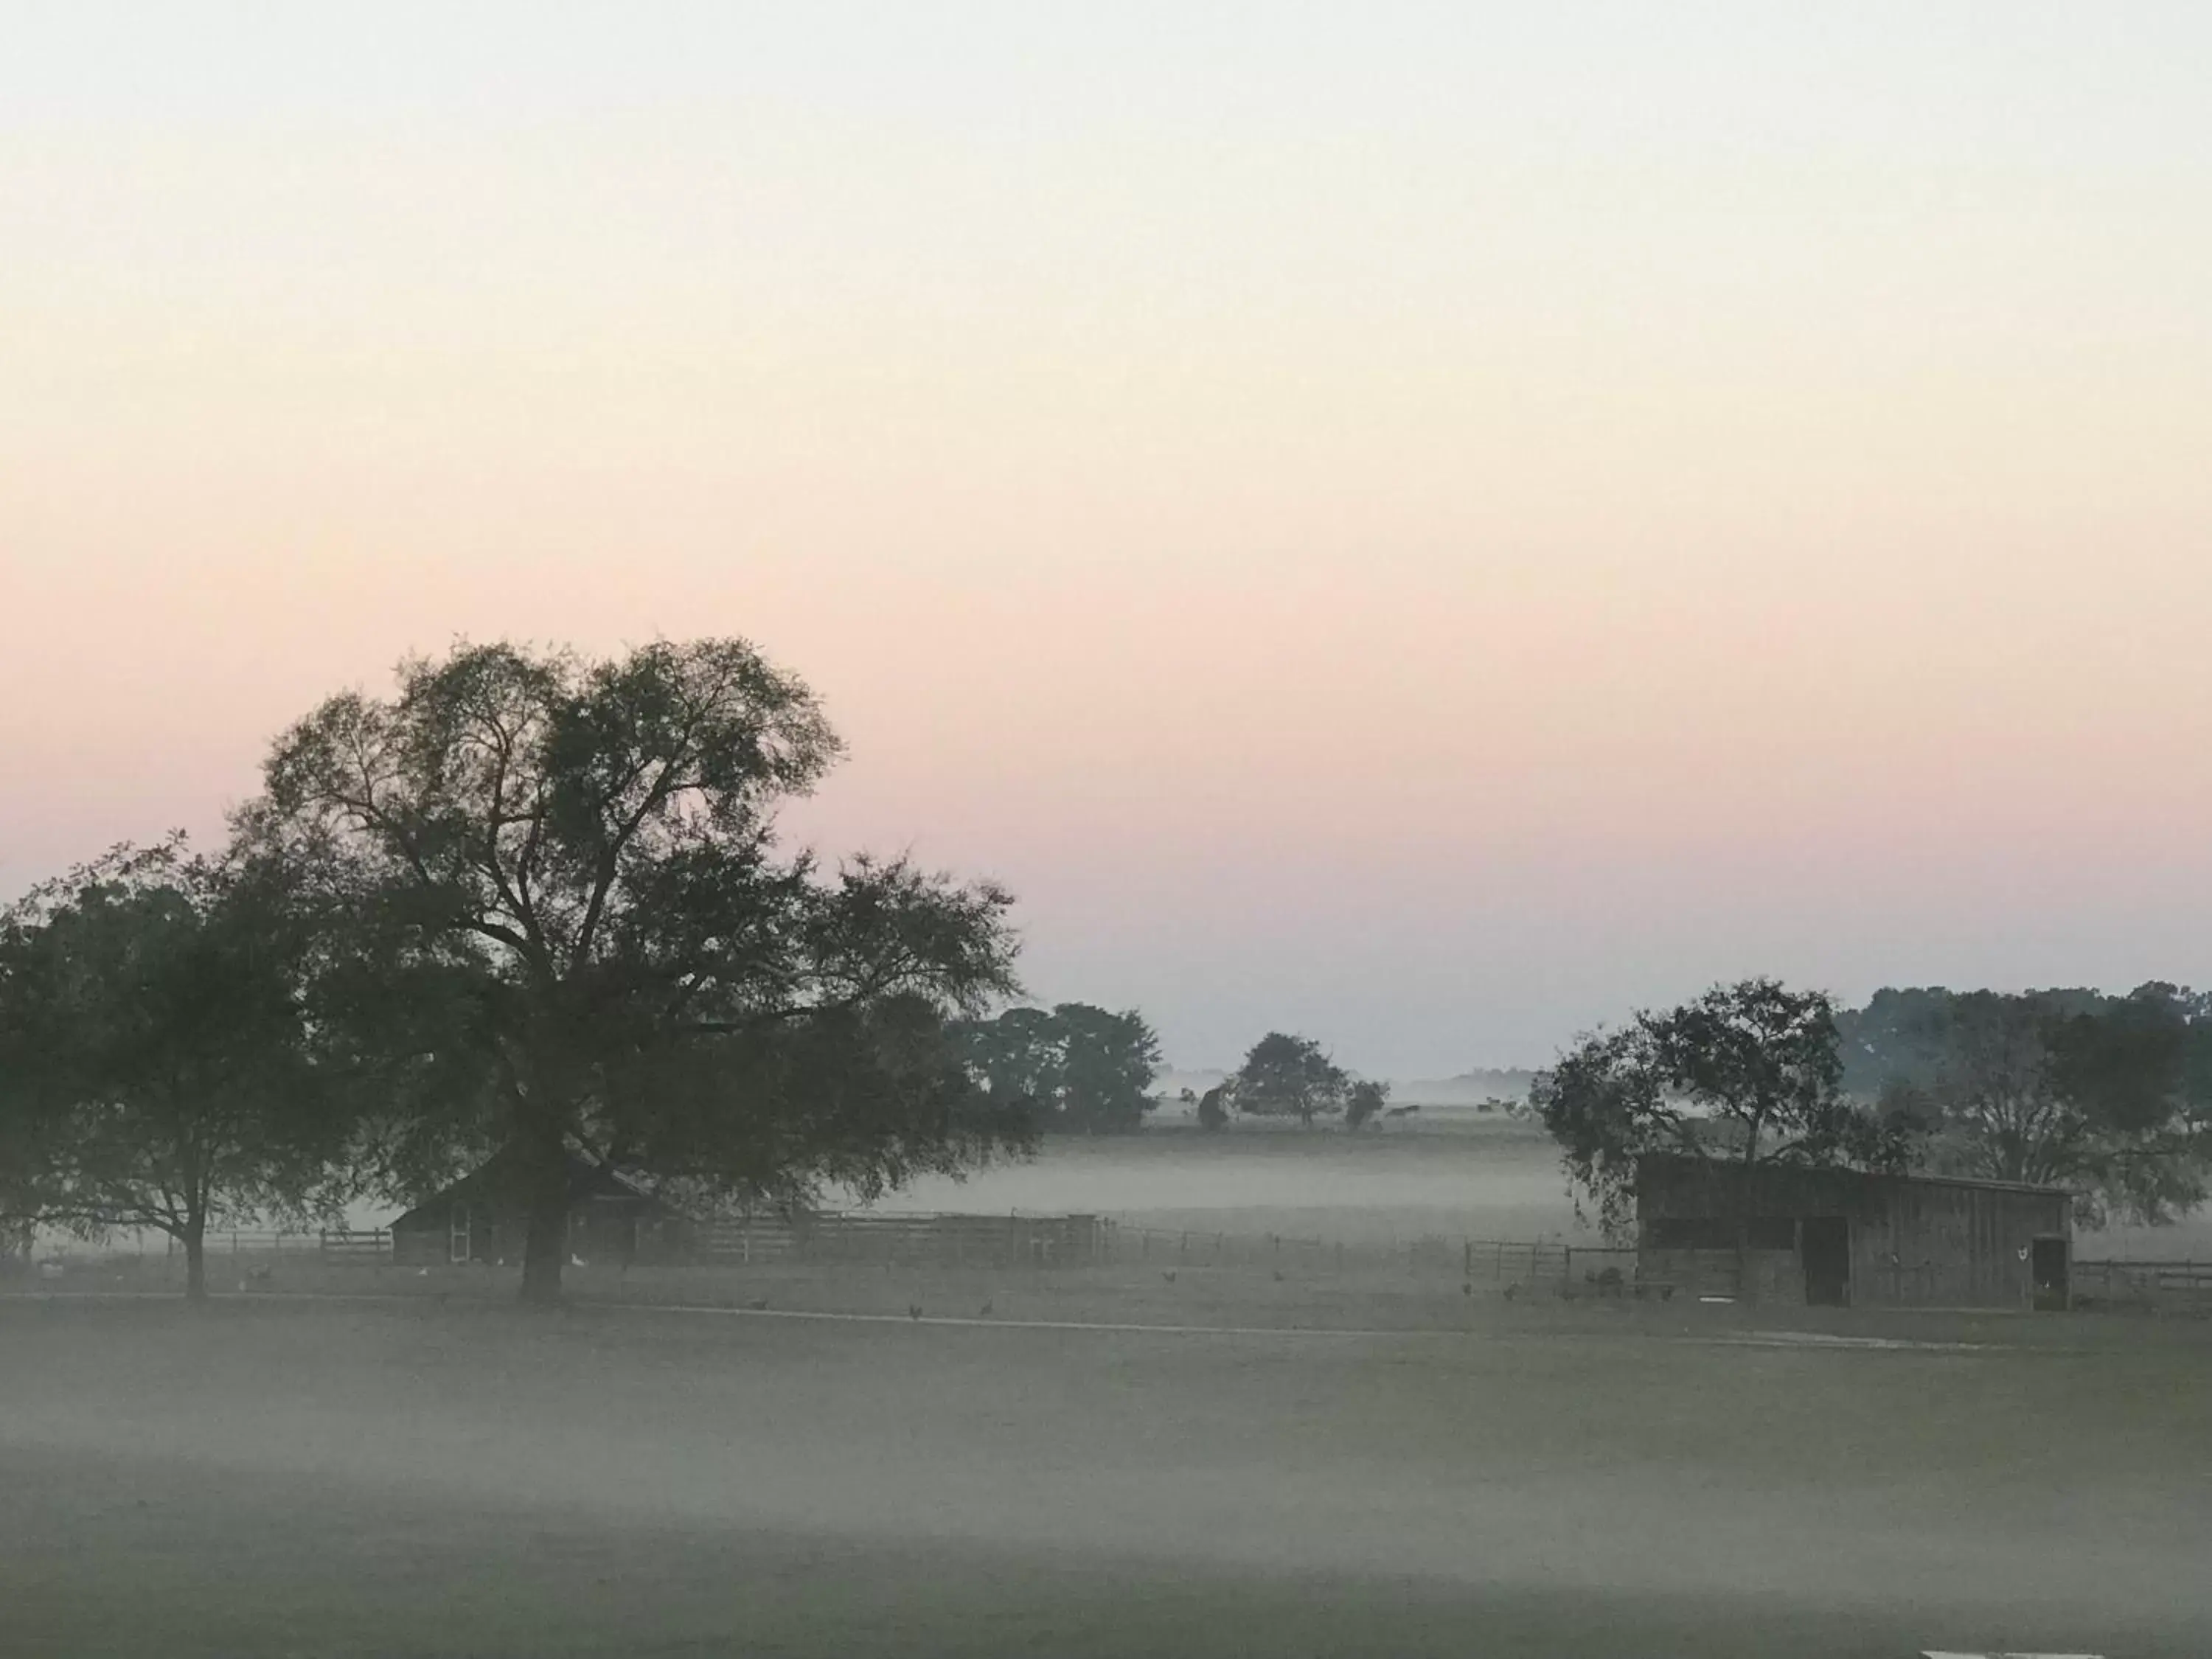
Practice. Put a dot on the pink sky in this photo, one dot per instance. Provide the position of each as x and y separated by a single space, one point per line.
1426 537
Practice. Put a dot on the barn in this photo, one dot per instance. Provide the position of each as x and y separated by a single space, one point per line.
484 1217
1845 1238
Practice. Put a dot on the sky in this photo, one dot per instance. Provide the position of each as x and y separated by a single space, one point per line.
1431 526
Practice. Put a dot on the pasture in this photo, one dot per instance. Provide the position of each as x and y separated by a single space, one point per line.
1450 1174
278 1476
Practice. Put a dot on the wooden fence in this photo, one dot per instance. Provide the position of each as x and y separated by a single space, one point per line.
1005 1241
354 1247
1046 1240
1500 1261
367 1247
2141 1281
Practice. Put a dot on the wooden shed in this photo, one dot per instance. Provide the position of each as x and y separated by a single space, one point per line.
1841 1237
484 1217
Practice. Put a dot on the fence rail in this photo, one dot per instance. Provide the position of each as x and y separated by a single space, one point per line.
1019 1240
367 1245
951 1240
1476 1260
2113 1278
370 1248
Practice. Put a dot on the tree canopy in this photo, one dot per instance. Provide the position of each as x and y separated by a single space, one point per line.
159 1062
1081 1068
1287 1076
1364 1102
556 916
1747 1073
2109 1095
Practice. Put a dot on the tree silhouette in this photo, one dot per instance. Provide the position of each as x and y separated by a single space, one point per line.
558 907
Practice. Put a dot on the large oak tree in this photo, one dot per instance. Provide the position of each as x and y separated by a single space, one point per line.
561 920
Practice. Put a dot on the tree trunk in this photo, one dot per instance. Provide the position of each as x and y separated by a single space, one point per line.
546 1249
194 1239
1746 1289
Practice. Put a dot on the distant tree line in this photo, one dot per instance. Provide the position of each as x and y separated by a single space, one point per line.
2109 1096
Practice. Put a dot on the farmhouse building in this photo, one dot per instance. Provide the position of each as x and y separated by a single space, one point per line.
1845 1238
484 1217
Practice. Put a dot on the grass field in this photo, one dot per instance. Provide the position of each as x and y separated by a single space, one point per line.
1484 1176
296 1477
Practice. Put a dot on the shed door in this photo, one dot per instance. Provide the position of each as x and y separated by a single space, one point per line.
2049 1259
1824 1248
457 1234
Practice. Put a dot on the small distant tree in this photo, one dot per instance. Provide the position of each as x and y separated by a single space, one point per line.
160 1055
1212 1108
1364 1102
1747 1075
1287 1076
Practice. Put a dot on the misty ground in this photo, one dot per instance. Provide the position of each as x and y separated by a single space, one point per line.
357 1461
280 1476
1448 1172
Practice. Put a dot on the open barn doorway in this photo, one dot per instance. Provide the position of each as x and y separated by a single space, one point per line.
1824 1250
2050 1262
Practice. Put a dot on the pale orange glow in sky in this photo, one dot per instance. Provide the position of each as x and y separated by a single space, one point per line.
1424 527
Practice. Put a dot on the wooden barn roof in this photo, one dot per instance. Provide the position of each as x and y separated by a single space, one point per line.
500 1177
1683 1160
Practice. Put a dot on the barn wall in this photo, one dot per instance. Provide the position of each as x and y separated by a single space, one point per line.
419 1237
1934 1245
1914 1243
600 1233
1775 1275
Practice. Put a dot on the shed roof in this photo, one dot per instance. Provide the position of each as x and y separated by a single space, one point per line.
501 1177
1683 1160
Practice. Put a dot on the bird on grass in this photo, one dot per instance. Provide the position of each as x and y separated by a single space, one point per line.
1468 1289
1278 1275
1169 1275
983 1312
913 1310
759 1305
